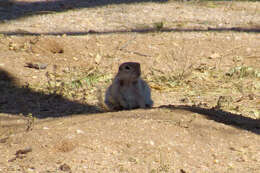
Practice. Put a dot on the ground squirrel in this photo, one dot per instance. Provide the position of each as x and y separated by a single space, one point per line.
128 90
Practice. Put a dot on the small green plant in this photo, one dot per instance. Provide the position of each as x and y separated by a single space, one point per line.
30 122
243 71
163 168
158 25
75 83
180 68
167 80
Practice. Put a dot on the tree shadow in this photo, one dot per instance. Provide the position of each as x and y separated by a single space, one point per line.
141 31
22 100
218 115
10 10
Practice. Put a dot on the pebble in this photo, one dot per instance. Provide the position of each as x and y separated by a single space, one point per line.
79 132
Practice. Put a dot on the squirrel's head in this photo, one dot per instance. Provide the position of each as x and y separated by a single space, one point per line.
130 70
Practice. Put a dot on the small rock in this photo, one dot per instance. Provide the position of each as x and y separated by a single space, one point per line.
30 170
214 56
23 151
79 132
184 100
98 59
37 66
216 161
182 171
64 167
3 140
251 96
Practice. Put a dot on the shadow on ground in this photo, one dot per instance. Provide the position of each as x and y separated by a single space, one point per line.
10 10
218 115
142 31
22 100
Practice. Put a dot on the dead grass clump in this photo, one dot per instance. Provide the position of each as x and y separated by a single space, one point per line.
75 83
65 146
178 67
242 72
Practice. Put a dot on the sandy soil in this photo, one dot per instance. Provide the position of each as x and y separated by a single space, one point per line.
201 60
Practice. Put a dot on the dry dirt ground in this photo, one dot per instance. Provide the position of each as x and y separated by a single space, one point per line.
201 59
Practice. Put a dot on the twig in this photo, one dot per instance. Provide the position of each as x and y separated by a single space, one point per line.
137 53
253 56
20 154
127 43
230 51
23 151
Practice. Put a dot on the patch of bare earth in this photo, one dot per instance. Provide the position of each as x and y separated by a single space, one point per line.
205 85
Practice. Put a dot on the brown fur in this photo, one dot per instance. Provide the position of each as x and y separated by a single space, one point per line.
128 90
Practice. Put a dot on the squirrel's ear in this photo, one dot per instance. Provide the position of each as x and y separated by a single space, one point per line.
120 67
139 66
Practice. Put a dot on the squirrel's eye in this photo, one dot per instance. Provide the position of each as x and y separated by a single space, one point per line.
127 67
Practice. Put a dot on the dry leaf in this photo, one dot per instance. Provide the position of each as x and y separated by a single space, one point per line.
156 87
98 59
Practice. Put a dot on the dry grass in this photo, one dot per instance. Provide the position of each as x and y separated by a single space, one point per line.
200 84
